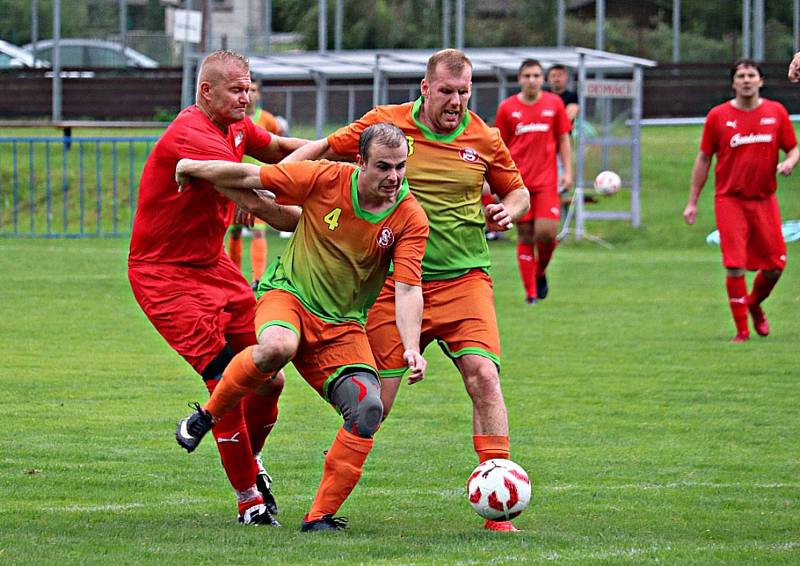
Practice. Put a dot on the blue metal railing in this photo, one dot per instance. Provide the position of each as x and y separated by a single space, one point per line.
66 177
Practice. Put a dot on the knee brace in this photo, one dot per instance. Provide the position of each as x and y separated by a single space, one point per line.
357 396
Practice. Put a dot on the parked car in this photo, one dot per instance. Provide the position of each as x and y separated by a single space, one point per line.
82 52
15 57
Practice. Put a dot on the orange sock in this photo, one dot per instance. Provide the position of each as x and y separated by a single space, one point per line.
490 446
235 250
258 256
340 474
239 378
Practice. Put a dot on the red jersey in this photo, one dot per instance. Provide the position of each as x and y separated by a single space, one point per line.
747 143
187 227
531 132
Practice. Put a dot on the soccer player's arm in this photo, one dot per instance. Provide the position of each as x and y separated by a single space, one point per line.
341 145
408 291
564 126
788 141
702 164
506 182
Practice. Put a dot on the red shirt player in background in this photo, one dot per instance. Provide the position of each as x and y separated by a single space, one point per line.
189 289
746 134
535 126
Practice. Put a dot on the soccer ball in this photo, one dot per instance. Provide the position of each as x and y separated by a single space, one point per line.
499 489
607 182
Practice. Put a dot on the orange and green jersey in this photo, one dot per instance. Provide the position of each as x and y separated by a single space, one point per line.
265 120
338 258
445 174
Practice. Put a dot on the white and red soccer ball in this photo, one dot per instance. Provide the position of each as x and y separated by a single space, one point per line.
499 489
607 183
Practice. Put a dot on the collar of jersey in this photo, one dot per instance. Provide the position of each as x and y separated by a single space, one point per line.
373 217
430 134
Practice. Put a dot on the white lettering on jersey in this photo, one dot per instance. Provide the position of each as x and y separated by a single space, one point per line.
516 114
739 139
532 127
548 113
768 120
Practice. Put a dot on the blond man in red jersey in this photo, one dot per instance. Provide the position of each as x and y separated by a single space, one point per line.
451 153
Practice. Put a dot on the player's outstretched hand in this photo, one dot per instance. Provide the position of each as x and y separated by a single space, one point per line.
417 364
244 218
181 176
497 218
690 213
785 168
794 68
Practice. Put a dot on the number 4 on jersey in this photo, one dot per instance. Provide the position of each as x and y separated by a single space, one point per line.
332 218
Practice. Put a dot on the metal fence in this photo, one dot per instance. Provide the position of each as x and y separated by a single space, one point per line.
70 187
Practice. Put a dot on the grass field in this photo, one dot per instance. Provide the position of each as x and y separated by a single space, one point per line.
649 438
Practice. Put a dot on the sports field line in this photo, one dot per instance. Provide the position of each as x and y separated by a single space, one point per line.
110 507
666 549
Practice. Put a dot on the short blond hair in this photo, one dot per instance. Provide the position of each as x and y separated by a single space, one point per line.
452 60
217 62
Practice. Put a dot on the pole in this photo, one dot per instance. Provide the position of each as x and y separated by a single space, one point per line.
338 24
746 17
266 25
322 26
758 30
35 29
56 61
445 24
460 24
561 16
796 26
600 25
123 24
676 31
186 79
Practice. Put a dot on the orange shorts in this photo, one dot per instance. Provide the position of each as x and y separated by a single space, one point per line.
750 233
325 350
544 204
458 314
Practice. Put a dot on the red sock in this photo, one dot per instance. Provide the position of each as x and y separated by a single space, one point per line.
737 299
235 250
762 287
544 251
233 445
260 414
490 446
527 268
340 473
258 256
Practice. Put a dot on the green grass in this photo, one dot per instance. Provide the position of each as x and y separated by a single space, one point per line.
649 438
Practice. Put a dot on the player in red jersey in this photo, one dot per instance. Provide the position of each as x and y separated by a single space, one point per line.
451 153
314 299
746 133
535 127
190 291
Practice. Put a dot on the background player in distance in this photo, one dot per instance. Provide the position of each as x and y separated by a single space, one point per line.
535 127
258 244
746 134
355 222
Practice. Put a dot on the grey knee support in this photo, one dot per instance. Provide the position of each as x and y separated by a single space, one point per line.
357 395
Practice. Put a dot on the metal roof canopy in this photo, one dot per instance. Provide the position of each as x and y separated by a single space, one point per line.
410 63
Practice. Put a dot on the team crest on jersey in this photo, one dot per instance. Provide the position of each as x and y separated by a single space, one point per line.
516 114
386 238
548 113
468 154
238 139
731 124
766 121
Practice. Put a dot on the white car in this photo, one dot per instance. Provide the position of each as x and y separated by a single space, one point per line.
14 57
80 52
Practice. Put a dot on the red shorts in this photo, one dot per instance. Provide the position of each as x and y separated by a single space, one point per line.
194 308
750 233
325 349
458 314
544 204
